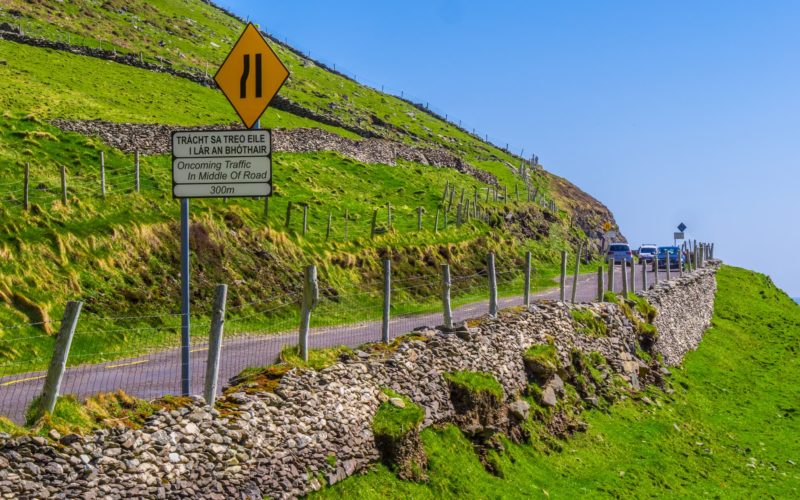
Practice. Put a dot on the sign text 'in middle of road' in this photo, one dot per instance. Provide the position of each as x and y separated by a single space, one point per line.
221 163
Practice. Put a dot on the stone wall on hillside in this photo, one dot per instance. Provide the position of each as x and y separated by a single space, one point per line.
685 307
316 426
155 139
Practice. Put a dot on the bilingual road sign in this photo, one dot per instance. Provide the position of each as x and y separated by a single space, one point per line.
678 236
221 163
681 227
251 75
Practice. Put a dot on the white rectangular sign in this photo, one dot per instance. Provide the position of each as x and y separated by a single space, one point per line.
221 163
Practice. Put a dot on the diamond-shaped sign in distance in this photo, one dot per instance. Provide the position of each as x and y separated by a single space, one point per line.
681 227
251 75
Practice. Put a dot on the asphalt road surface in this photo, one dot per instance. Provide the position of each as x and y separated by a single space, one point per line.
158 373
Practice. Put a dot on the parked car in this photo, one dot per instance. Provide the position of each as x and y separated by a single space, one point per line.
647 253
620 252
673 254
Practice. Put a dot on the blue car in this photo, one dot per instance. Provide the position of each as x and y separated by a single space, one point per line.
673 254
620 252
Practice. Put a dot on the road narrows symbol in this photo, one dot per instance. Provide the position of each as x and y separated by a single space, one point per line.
245 76
258 75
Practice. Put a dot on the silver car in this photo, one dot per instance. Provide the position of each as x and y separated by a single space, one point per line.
620 252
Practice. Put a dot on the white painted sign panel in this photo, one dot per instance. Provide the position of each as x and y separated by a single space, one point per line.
221 163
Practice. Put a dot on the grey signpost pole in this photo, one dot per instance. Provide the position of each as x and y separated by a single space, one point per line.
185 383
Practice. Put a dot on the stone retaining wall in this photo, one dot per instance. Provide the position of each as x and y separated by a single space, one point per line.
316 427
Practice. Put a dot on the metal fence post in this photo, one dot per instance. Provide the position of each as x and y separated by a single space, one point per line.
492 286
624 277
419 218
600 287
215 343
447 311
387 299
103 173
310 300
52 383
305 219
527 291
611 275
575 276
328 230
288 214
563 280
266 209
374 223
136 169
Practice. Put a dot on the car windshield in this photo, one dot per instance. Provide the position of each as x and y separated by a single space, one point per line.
647 250
619 248
669 250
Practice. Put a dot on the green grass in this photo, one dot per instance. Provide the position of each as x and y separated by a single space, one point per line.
731 430
318 359
393 422
476 383
589 322
544 357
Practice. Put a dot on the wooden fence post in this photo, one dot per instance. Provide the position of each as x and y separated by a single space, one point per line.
644 276
436 221
458 215
63 184
492 287
624 277
26 188
58 364
563 281
328 230
444 195
103 173
527 290
388 216
305 219
632 280
419 218
215 343
655 269
611 274
600 287
288 214
310 301
450 203
374 223
575 276
136 171
266 209
669 265
387 299
447 311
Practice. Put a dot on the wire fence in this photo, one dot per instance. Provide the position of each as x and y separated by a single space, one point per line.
145 361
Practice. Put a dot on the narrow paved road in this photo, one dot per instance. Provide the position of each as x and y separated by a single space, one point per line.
158 373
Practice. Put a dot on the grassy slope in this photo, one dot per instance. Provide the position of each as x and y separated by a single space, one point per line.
183 32
731 430
121 252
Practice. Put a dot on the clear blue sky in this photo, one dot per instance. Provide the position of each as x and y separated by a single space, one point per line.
665 111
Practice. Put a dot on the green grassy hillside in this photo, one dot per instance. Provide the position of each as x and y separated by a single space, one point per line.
119 254
730 430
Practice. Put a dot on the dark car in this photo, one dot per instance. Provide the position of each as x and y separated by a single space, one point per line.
673 254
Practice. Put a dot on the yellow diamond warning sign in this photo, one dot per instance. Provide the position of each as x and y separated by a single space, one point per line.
251 75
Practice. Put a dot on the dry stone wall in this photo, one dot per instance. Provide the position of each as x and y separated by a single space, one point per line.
315 428
155 139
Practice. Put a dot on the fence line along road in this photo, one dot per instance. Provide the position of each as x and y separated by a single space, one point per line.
157 373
